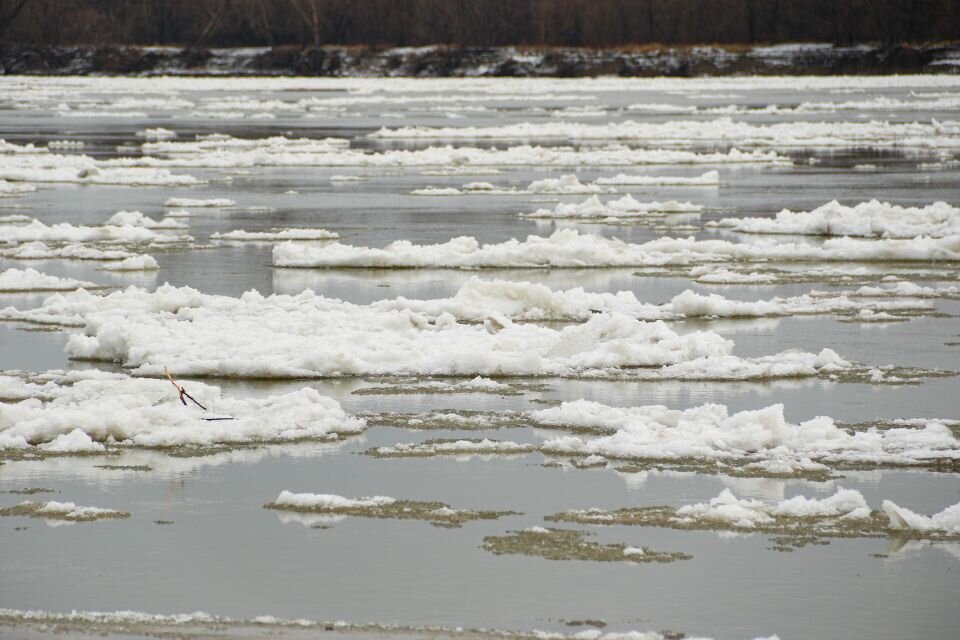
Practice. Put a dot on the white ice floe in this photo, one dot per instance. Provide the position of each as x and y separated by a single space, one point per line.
197 202
85 411
228 152
72 251
311 336
693 132
947 520
761 438
625 207
467 448
239 235
477 299
748 513
137 219
143 262
707 179
8 189
27 165
567 248
871 219
156 134
328 502
719 275
124 233
33 280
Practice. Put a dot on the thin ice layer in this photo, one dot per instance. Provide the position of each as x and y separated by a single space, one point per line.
762 437
83 412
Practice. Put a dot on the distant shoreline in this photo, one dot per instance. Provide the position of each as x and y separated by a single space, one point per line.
443 61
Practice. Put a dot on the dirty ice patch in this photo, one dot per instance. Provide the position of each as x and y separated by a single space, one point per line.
568 248
871 219
797 521
760 440
65 511
436 513
85 412
33 280
625 207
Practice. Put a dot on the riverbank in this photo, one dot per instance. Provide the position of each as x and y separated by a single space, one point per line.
441 61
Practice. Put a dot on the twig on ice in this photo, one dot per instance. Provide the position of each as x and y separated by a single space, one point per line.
183 392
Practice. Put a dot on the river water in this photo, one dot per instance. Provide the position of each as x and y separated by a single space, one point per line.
225 555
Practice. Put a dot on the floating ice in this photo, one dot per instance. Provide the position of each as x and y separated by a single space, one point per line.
72 251
32 280
144 262
137 219
761 439
28 165
625 207
67 511
8 189
707 179
240 235
85 411
227 152
947 520
311 336
568 248
125 233
867 219
156 134
195 202
695 132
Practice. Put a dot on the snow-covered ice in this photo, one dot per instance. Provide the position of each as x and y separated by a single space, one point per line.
33 280
762 437
871 219
84 411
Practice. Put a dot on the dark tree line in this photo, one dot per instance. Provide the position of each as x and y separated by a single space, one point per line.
587 23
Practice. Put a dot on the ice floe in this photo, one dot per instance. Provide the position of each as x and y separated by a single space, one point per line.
66 511
123 228
707 179
85 412
568 248
871 219
691 132
312 336
197 202
137 219
239 235
625 207
228 152
8 189
761 440
33 280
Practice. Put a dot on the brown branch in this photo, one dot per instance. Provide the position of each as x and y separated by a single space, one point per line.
183 392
